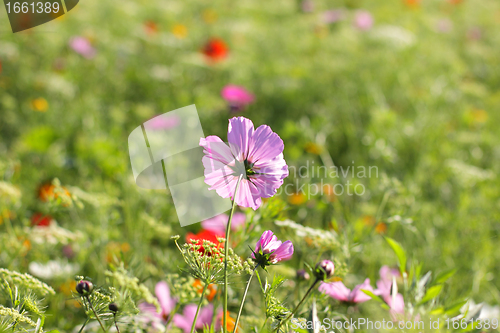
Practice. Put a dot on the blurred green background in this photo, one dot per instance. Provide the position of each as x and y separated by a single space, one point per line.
415 94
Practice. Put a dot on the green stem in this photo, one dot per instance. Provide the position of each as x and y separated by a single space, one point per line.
95 313
171 316
226 248
298 305
243 299
83 326
263 326
198 309
116 324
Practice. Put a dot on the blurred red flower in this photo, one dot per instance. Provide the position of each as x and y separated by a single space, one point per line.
215 49
40 220
207 235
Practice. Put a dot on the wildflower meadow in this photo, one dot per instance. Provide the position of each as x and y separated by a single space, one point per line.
309 166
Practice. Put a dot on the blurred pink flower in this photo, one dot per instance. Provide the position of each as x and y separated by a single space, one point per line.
82 46
162 122
254 154
185 321
444 26
385 283
218 223
396 304
237 97
363 20
268 244
339 291
332 16
167 304
307 6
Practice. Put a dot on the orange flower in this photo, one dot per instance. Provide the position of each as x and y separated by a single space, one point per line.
212 288
48 192
412 3
381 228
150 27
215 49
297 198
67 287
230 322
39 104
180 31
455 2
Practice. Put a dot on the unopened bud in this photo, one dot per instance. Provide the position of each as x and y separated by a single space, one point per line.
324 269
113 307
84 287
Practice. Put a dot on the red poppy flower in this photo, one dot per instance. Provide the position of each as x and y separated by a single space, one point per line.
207 235
150 27
215 49
38 219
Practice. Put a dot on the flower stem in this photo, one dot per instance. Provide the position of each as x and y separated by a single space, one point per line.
298 305
198 309
226 248
116 324
243 299
95 313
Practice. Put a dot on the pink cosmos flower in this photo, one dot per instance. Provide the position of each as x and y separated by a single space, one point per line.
363 20
307 6
82 46
339 291
218 223
268 244
255 154
237 97
384 289
185 321
167 304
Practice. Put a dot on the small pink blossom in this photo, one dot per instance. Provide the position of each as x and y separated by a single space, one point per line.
271 249
185 321
339 291
363 20
254 154
237 97
82 46
218 223
307 6
167 304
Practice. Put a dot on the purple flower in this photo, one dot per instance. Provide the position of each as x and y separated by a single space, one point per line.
269 250
332 16
167 304
256 154
82 46
324 269
185 321
218 223
363 20
340 292
237 97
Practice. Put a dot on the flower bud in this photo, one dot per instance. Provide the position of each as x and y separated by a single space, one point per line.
84 287
113 307
324 269
302 275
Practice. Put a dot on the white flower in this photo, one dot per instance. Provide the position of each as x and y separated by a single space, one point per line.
53 269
